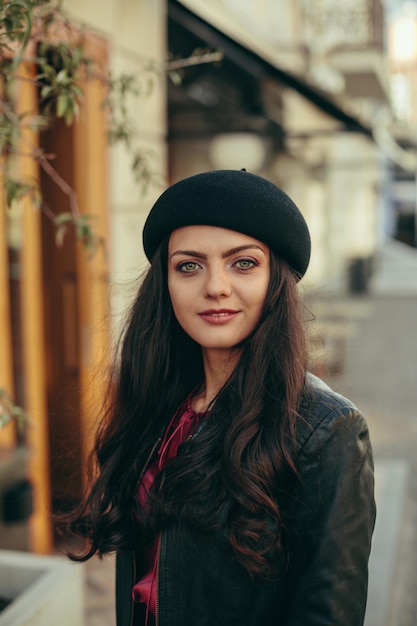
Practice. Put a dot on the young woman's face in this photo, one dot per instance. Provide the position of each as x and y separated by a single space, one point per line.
217 280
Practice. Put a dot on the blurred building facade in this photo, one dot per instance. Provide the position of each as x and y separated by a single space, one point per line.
402 56
325 160
294 99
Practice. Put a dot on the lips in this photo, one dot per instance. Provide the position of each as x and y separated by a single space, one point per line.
218 316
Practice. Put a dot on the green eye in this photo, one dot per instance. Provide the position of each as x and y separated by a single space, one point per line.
189 266
245 264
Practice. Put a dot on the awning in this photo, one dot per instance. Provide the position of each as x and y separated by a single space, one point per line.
261 68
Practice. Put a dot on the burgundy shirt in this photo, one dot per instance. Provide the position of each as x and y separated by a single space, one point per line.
181 428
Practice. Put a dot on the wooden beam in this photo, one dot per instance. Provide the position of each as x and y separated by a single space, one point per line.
32 328
91 182
8 434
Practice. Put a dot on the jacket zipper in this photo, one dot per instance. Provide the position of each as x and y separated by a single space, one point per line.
158 556
158 563
144 468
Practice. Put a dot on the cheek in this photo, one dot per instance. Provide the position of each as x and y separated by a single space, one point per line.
259 295
171 290
173 285
173 294
178 297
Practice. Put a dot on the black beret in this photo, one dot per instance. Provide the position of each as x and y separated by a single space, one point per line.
236 200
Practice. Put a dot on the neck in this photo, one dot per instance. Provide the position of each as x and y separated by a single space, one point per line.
218 366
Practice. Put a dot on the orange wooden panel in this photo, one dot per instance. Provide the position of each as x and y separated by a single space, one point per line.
32 331
7 435
91 182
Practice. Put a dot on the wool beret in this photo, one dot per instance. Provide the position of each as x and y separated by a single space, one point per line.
237 200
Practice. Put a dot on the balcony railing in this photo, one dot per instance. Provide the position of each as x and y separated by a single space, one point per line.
343 25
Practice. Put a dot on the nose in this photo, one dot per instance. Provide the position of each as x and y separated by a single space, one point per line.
217 283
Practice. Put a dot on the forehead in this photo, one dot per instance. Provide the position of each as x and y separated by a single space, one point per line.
210 237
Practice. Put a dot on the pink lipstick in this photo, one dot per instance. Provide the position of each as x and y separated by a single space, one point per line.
218 316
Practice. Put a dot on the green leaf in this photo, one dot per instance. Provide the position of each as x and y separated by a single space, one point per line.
10 411
63 218
62 77
77 91
48 71
60 233
15 190
11 189
63 103
26 17
175 78
46 91
37 198
69 116
38 122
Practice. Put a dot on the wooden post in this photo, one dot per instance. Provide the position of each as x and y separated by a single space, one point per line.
91 183
8 434
33 330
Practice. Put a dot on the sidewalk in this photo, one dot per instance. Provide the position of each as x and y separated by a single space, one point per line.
379 374
99 592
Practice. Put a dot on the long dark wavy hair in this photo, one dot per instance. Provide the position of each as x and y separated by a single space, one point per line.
240 465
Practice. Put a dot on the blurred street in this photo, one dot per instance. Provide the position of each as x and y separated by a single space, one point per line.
375 364
378 371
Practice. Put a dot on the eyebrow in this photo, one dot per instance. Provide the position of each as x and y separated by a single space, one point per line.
226 254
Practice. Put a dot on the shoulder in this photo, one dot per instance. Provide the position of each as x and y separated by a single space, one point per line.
324 412
334 452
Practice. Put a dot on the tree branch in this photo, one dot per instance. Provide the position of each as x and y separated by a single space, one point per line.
210 57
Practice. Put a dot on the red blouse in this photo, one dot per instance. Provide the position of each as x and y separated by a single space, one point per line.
181 428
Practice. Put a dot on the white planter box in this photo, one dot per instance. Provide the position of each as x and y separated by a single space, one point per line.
46 590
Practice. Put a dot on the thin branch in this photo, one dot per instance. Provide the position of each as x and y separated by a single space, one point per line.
27 155
48 213
24 79
59 181
170 66
45 165
210 57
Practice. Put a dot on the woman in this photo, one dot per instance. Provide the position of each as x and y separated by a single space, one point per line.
236 488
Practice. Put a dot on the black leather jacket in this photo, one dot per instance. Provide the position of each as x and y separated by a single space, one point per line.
325 583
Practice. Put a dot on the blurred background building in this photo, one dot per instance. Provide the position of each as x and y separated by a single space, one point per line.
299 89
402 54
317 95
